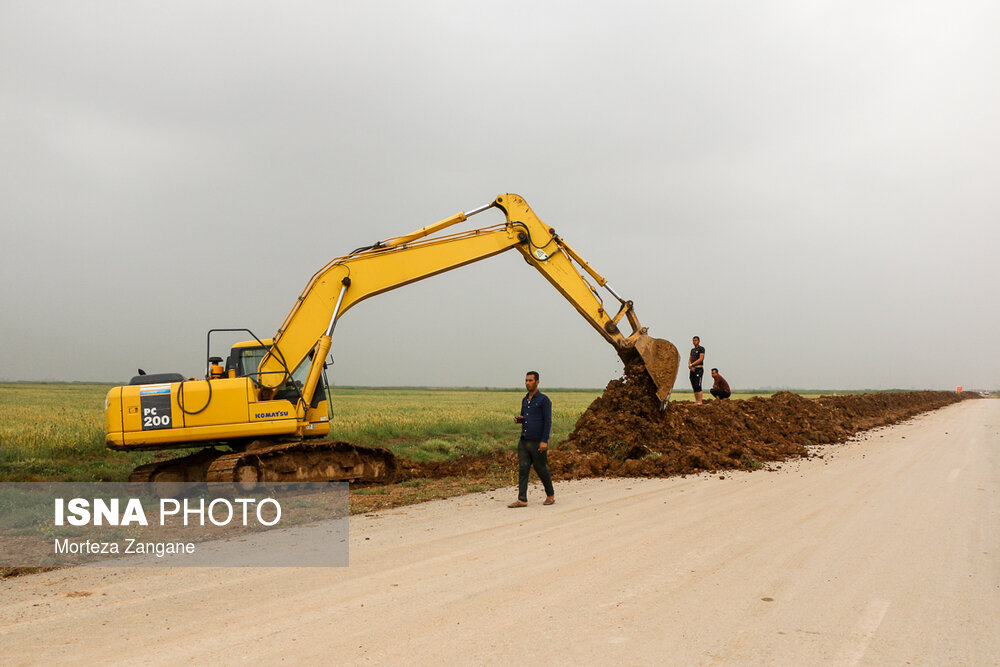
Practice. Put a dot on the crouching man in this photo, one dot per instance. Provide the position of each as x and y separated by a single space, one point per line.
721 388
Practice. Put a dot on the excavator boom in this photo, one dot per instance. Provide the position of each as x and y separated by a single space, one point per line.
398 261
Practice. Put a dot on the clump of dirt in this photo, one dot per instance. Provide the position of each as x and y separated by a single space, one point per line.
623 433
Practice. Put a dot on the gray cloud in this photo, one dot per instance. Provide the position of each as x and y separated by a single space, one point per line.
808 186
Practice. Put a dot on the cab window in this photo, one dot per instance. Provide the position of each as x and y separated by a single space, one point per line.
250 359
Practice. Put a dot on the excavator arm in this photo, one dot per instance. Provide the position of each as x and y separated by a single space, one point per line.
398 261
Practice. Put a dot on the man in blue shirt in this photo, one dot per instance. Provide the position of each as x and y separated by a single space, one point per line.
532 449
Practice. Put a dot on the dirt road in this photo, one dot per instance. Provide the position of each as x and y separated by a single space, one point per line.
885 550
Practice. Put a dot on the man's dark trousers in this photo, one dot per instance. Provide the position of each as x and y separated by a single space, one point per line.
695 377
528 456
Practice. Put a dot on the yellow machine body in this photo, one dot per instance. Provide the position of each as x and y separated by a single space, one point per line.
168 415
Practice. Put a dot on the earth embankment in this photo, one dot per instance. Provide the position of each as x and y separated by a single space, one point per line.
624 433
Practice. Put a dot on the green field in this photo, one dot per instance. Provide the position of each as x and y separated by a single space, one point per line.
55 432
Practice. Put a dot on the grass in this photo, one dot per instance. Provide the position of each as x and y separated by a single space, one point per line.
55 432
436 424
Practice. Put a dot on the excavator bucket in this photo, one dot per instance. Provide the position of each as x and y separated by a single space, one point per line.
661 359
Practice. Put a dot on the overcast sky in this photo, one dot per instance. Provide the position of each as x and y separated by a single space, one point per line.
811 187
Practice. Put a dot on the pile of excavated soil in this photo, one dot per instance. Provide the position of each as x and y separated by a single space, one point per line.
623 433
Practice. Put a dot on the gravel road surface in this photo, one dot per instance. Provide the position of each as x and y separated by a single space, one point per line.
886 550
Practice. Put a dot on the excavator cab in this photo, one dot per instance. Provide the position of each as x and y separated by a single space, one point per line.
245 357
244 361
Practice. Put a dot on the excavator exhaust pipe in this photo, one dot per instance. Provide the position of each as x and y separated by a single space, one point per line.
662 361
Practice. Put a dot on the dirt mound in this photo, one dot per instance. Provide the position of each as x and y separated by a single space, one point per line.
623 433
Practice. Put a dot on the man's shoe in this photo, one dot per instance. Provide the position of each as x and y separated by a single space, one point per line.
518 503
551 500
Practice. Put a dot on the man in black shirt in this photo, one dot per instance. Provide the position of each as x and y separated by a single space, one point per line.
696 364
532 448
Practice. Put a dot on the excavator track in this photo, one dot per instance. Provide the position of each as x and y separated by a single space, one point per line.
191 468
322 461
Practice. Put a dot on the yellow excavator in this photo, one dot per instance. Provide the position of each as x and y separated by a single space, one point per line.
263 416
